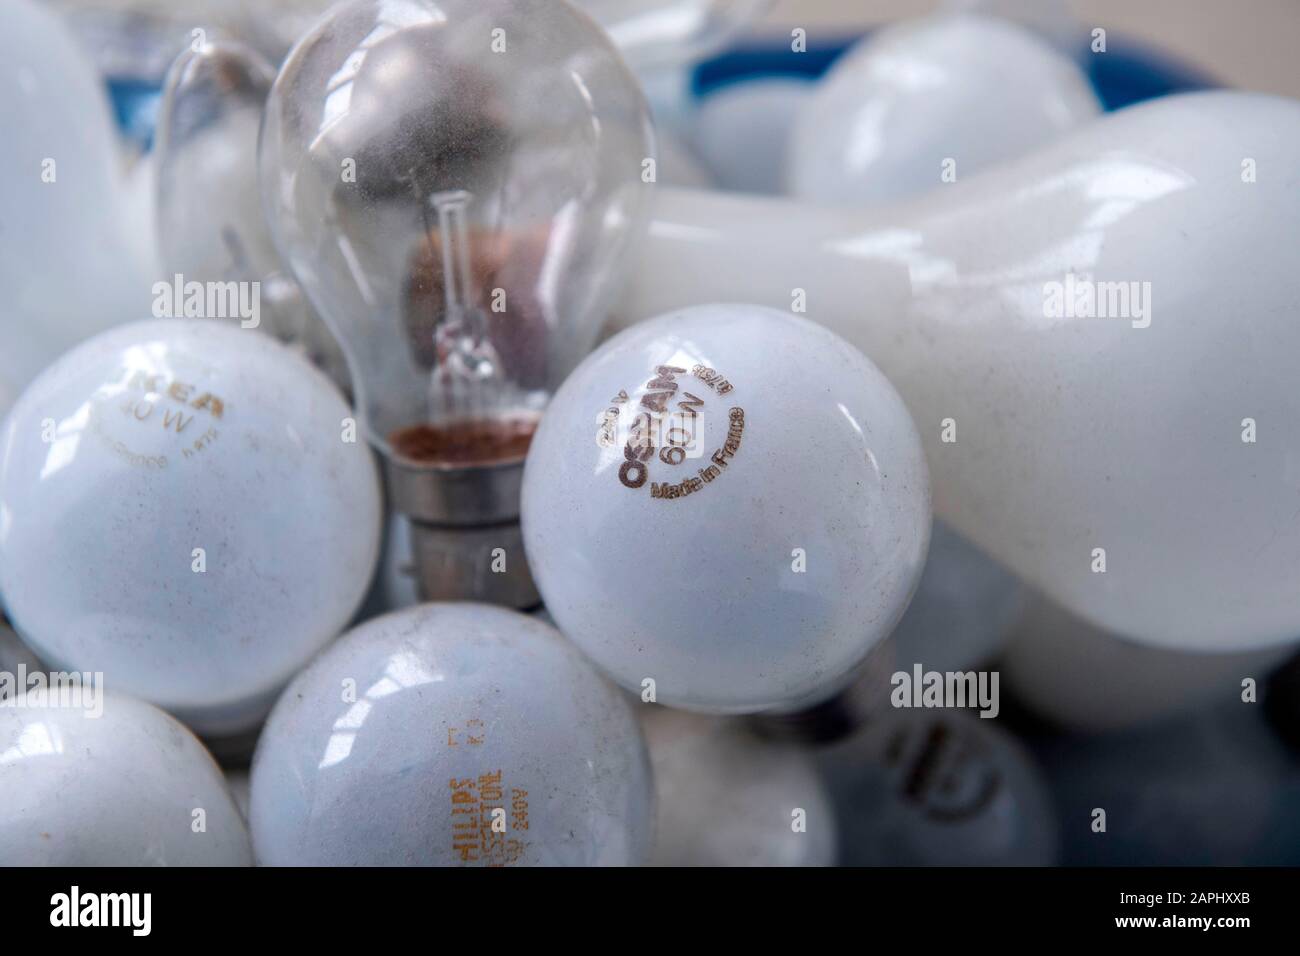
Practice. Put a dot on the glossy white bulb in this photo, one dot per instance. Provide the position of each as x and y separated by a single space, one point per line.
128 787
938 788
1084 678
182 509
451 735
730 502
726 798
921 100
1072 431
68 265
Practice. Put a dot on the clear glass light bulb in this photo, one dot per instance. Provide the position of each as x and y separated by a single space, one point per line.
455 184
210 225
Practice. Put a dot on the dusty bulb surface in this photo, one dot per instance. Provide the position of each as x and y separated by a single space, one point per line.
461 219
1081 677
523 754
938 788
968 90
726 798
1046 460
121 788
730 502
215 459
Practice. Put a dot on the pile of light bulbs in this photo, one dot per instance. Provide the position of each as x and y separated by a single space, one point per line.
386 259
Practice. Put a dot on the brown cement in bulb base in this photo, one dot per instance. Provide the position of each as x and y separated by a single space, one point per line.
470 443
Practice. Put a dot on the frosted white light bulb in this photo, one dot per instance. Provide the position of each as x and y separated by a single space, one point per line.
938 788
180 509
124 787
210 224
451 735
1028 411
922 104
455 184
730 502
725 798
1088 679
67 264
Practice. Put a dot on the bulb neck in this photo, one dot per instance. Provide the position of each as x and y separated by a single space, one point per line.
466 542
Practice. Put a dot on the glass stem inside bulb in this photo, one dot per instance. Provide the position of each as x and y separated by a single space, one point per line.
468 381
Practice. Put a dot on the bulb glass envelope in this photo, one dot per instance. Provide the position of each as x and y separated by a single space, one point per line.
524 117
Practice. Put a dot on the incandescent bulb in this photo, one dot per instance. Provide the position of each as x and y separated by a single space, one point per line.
455 184
922 104
181 510
67 264
210 225
770 500
115 782
451 735
1029 408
